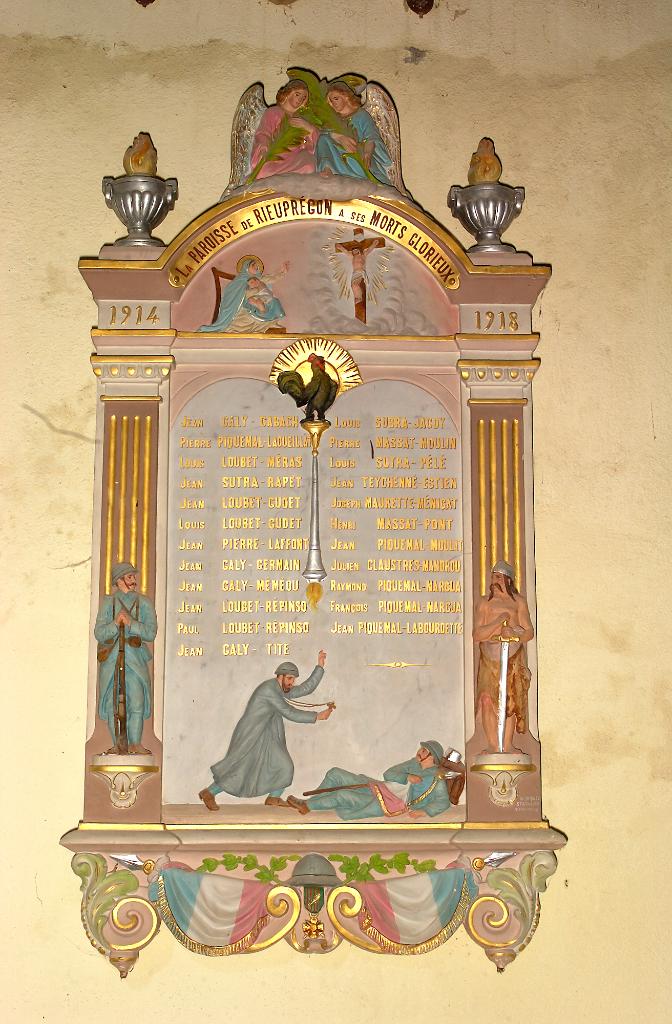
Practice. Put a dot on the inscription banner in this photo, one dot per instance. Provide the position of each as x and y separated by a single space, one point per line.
359 212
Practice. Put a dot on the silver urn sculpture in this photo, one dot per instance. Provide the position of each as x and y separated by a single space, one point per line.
140 199
486 207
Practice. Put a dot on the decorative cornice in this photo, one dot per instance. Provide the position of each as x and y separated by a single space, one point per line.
132 370
497 371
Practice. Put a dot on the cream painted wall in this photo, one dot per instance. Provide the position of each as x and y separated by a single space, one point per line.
573 91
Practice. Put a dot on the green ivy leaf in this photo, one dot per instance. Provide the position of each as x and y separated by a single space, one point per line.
424 865
230 861
278 864
297 856
350 867
378 864
250 862
209 864
265 874
400 862
363 874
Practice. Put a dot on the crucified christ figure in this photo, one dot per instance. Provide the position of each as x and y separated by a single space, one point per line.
358 250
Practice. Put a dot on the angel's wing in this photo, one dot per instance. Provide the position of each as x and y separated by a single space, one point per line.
245 122
380 106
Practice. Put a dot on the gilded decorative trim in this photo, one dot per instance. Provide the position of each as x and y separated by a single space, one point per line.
316 826
343 339
517 533
123 485
146 466
482 536
109 527
511 825
496 401
497 364
123 332
466 336
494 496
135 477
131 398
323 826
504 428
120 826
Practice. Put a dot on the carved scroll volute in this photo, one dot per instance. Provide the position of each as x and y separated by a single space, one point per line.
119 925
502 922
345 904
283 904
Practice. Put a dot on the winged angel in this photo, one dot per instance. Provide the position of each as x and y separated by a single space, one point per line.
343 127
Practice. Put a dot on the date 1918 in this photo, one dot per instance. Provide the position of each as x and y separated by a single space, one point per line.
496 320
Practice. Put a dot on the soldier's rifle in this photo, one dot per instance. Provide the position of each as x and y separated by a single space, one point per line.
120 726
448 770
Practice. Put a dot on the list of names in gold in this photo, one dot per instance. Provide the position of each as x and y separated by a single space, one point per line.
391 537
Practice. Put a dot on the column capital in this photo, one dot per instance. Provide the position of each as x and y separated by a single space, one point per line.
132 370
498 372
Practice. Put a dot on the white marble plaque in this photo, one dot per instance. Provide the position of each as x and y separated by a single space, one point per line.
390 617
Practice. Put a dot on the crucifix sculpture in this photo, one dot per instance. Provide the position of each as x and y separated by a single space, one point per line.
358 250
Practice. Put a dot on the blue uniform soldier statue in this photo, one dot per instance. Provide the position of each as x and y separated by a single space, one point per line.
414 787
126 623
257 762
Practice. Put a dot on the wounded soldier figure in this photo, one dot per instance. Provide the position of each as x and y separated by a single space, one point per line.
417 786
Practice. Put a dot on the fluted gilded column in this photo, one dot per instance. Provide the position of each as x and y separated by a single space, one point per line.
497 408
131 418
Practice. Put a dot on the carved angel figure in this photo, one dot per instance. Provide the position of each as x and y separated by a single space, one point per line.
284 141
346 127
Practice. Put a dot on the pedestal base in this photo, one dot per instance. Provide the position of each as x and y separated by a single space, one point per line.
124 774
504 770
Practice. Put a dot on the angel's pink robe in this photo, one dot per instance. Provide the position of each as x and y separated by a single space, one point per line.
300 160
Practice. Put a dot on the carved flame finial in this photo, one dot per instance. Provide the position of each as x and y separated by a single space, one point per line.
485 164
140 157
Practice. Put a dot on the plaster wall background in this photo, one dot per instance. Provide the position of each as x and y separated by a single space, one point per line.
574 95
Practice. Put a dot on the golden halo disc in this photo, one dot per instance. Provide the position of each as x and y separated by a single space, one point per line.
339 364
243 259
